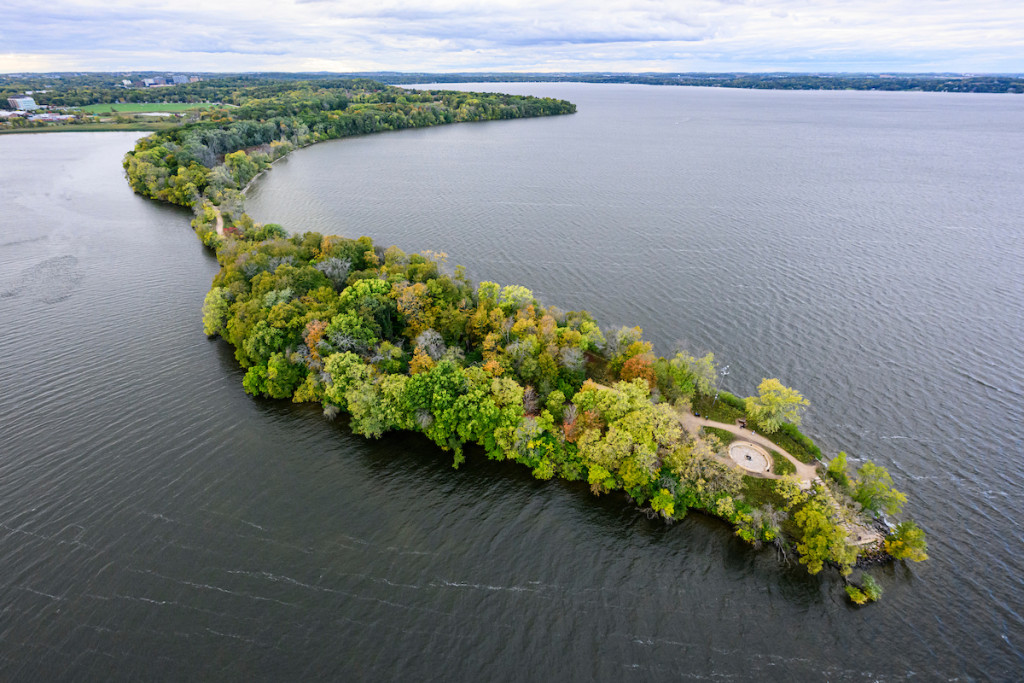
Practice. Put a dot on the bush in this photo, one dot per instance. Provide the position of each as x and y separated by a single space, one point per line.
856 595
868 591
800 438
725 437
871 588
731 400
837 471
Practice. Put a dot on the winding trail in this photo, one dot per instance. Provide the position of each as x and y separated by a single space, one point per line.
804 472
857 533
220 222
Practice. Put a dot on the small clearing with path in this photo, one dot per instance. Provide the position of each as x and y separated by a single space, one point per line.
804 472
858 534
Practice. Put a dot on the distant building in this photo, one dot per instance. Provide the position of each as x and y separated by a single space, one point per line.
159 80
52 118
148 82
25 103
179 80
126 83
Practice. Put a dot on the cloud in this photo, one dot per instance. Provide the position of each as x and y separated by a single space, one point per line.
460 35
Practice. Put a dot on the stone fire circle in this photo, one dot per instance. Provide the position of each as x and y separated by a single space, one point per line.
750 457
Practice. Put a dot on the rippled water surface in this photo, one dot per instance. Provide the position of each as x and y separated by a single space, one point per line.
156 523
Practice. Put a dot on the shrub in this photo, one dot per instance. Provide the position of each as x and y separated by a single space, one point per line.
868 591
871 588
856 595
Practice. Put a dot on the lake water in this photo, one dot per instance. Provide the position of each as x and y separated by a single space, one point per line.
866 248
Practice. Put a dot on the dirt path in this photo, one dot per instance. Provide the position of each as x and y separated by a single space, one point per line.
692 423
220 222
857 533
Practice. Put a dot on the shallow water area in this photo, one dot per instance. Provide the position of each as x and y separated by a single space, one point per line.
157 523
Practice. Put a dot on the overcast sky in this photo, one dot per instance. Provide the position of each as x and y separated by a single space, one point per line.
502 35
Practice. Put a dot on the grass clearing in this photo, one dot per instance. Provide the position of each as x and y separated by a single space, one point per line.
90 127
780 465
725 437
757 491
719 411
144 107
797 444
728 409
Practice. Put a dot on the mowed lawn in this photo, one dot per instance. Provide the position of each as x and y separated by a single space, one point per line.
144 107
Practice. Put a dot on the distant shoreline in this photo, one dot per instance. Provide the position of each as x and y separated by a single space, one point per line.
956 83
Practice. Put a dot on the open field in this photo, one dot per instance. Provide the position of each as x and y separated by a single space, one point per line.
89 127
144 107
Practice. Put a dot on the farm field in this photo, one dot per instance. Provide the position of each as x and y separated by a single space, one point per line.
144 107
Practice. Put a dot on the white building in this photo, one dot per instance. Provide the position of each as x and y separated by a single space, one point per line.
25 103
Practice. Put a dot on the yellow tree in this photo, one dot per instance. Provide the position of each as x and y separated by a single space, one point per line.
775 404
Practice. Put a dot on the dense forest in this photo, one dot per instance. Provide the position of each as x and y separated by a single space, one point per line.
84 89
218 154
990 83
397 342
76 90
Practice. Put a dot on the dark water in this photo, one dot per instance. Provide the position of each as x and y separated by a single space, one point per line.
155 523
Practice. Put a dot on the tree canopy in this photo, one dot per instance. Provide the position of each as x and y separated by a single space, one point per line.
774 405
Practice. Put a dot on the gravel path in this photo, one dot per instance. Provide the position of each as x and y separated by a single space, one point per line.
804 472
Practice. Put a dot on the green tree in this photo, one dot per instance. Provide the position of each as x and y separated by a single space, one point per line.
822 540
689 373
215 311
868 591
243 167
255 380
262 341
186 186
635 432
367 404
907 542
871 588
774 405
283 376
874 490
513 298
663 502
556 404
600 479
346 370
702 477
837 470
856 595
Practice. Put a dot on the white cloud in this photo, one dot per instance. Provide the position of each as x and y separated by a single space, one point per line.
454 35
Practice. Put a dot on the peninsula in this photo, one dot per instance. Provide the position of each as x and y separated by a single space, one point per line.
397 343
